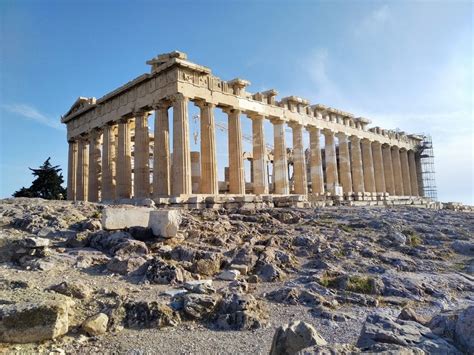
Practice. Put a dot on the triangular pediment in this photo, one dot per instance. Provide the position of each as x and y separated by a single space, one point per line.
79 104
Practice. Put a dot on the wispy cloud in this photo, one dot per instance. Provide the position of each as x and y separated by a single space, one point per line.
317 63
31 113
374 20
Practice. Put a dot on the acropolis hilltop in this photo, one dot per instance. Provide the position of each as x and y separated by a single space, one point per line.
114 157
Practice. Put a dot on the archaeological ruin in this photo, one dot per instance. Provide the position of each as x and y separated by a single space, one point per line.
114 157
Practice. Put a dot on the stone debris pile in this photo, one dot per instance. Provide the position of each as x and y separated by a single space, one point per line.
78 271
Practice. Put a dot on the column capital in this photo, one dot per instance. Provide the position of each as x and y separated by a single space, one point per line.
376 143
203 104
231 110
162 105
177 97
312 128
276 120
255 116
354 138
141 114
328 132
366 141
295 125
341 135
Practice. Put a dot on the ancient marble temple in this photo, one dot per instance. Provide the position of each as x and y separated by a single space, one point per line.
113 156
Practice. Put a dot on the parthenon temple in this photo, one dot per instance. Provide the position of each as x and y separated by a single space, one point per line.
114 157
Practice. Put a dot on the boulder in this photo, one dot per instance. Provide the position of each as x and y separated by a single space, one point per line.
114 218
75 289
199 306
463 247
229 275
409 314
159 272
465 330
33 322
125 265
239 311
379 329
165 223
149 314
293 337
96 325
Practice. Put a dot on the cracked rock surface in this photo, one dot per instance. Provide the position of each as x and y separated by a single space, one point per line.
357 279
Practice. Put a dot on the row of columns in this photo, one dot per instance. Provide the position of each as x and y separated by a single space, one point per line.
361 165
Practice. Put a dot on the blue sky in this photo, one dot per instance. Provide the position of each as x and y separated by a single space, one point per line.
403 64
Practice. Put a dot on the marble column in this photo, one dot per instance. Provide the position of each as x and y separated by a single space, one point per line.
388 169
236 159
419 175
181 170
71 170
344 163
141 178
94 165
161 152
331 161
299 162
368 164
356 165
413 175
82 178
378 167
124 160
317 177
260 182
108 163
209 181
280 162
397 171
405 172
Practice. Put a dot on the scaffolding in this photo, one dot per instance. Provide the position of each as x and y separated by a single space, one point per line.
426 159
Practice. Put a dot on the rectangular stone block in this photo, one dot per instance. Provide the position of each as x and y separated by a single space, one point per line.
125 217
165 223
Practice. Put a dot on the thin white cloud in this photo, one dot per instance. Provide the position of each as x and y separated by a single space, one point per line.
317 63
32 113
374 20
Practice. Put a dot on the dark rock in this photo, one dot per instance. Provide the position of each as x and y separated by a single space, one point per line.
149 314
159 272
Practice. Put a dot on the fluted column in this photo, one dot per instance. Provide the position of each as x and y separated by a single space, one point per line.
405 172
397 171
82 170
71 170
108 163
368 163
378 167
161 152
356 165
344 163
181 181
419 174
209 182
280 162
94 165
236 159
388 169
413 175
299 162
124 160
317 177
331 161
141 178
260 182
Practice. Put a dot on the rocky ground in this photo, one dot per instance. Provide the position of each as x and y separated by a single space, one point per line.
349 280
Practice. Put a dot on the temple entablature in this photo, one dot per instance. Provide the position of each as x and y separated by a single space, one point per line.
175 82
